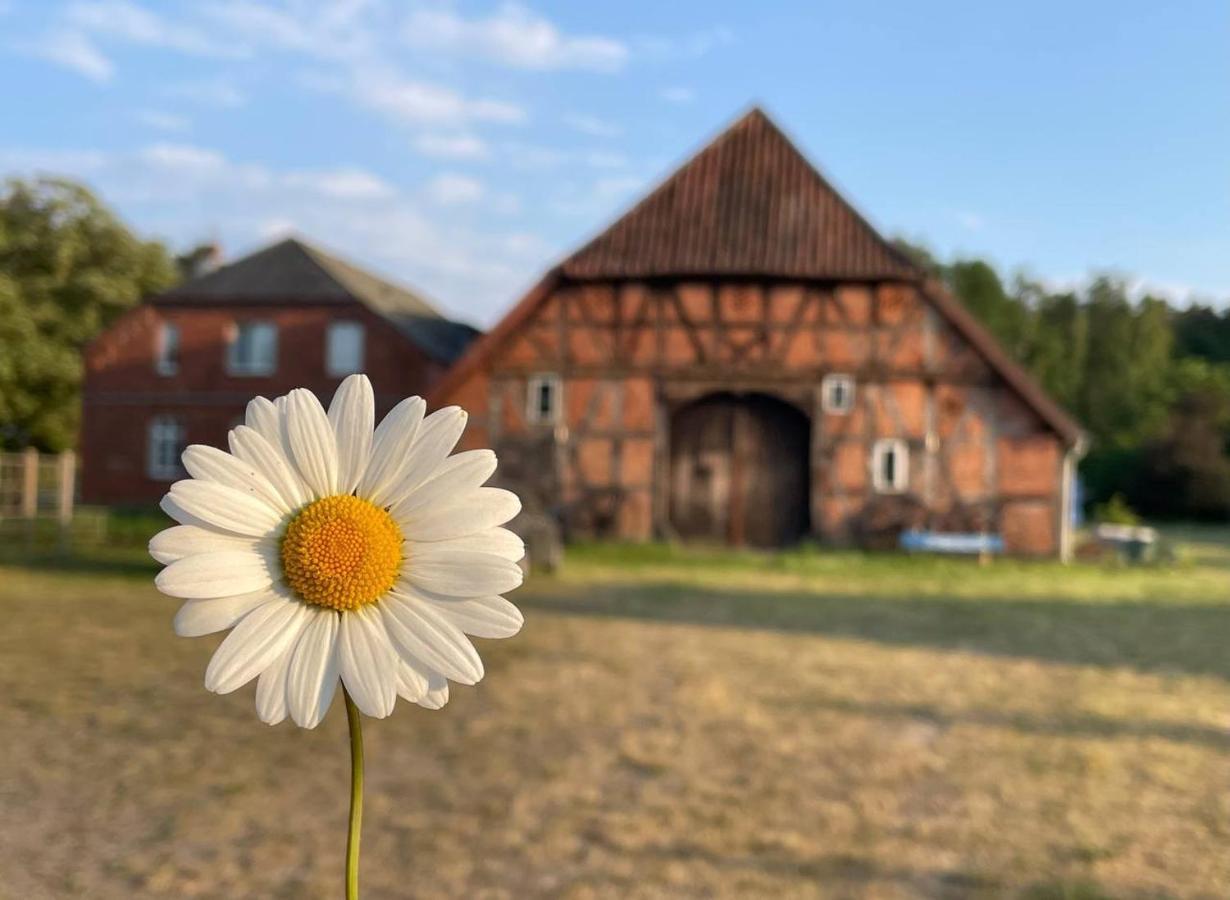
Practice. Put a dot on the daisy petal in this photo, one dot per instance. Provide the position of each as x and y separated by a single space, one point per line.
262 416
499 541
436 438
312 444
393 436
352 415
459 573
223 507
220 573
437 692
200 617
367 662
257 641
271 689
268 458
211 464
179 541
471 511
460 474
418 631
312 679
484 617
412 682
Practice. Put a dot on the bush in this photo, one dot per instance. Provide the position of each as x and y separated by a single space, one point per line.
1115 511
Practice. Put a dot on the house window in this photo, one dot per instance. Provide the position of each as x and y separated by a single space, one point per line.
252 349
543 399
890 466
166 357
344 348
166 445
837 394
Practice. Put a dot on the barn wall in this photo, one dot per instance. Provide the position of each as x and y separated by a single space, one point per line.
630 353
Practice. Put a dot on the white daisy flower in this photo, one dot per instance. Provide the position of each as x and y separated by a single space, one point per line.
338 554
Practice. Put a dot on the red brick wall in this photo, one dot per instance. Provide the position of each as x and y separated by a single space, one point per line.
123 392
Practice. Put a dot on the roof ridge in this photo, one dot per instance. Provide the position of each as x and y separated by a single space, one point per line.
748 201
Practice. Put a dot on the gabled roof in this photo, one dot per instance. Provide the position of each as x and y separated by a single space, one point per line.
750 204
747 204
292 272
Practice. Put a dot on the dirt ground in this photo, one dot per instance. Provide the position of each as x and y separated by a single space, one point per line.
662 727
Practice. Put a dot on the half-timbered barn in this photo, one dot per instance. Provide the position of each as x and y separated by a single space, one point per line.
741 358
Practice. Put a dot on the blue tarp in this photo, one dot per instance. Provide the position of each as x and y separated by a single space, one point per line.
941 542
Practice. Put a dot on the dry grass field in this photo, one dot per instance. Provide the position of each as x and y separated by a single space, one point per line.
667 725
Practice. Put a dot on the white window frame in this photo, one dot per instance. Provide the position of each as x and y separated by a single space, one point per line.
533 409
160 431
235 366
334 366
901 465
168 339
829 384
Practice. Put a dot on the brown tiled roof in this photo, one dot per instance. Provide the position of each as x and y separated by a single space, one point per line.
294 272
748 204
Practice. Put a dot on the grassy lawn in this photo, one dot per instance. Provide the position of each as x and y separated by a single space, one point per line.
669 724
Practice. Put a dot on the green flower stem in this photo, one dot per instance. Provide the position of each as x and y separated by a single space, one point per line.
356 798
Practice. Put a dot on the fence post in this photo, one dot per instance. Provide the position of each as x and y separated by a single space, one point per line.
29 483
67 485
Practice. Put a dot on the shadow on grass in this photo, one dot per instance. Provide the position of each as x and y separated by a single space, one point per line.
1150 637
1060 724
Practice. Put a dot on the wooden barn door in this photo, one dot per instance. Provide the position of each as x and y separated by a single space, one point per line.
739 471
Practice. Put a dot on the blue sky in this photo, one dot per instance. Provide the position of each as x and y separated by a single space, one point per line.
462 147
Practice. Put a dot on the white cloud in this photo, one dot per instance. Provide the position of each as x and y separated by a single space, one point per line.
691 46
343 183
678 94
217 92
512 36
74 51
415 102
592 125
183 158
161 120
451 189
451 146
125 21
532 156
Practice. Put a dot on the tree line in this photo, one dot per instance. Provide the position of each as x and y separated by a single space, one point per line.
1150 382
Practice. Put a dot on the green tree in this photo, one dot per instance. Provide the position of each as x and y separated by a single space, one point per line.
979 287
68 268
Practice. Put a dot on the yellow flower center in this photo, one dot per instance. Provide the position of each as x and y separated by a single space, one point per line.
341 552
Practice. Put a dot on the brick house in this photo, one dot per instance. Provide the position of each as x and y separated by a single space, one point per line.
180 368
741 358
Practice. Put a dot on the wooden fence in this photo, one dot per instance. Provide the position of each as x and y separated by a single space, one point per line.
37 485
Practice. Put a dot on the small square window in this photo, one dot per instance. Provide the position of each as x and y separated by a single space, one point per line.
837 394
344 348
543 399
166 446
166 352
890 466
252 349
